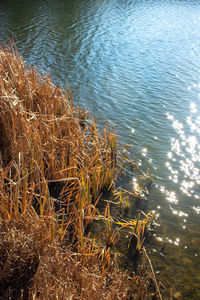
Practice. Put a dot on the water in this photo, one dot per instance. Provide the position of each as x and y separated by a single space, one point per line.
135 64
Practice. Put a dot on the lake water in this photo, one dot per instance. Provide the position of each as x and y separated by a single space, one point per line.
135 64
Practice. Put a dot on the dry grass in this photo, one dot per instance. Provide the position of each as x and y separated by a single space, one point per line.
54 167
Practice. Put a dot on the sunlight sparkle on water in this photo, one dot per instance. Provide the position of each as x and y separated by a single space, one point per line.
180 214
196 209
169 155
171 197
176 147
193 108
133 130
194 125
186 187
186 148
169 116
159 239
135 184
178 126
144 152
162 189
177 241
192 142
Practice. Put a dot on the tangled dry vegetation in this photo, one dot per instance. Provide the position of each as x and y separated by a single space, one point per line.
54 167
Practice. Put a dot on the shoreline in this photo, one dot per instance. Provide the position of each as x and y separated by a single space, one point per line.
55 167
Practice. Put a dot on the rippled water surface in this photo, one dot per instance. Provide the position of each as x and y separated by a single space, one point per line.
135 64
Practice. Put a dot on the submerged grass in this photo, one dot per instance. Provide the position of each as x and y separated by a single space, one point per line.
54 168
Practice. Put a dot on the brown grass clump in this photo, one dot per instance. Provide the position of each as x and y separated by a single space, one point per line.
54 167
64 276
21 244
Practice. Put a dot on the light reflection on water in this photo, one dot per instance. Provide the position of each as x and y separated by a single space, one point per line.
137 65
185 154
182 163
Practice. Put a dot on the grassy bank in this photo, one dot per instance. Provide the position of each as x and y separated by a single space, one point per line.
54 168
